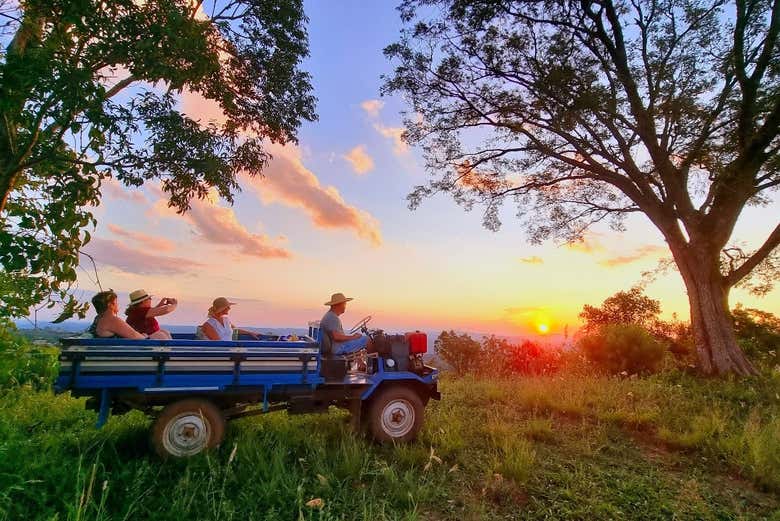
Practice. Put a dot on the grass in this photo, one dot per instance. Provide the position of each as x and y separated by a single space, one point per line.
559 447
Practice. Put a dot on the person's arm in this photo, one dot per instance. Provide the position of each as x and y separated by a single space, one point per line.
165 306
341 337
209 331
119 327
247 332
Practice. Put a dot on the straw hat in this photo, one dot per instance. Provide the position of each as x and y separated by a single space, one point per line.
219 304
337 298
138 296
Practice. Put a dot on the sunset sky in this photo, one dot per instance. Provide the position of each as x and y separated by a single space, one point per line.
331 215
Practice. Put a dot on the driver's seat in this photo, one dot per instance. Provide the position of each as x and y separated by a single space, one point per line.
332 367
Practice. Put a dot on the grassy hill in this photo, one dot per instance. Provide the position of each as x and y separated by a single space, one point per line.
573 446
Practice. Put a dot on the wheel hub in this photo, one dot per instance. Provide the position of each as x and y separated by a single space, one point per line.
398 418
186 434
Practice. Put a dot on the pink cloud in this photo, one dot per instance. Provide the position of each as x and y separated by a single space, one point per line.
396 134
532 260
288 181
649 250
219 225
116 190
142 239
139 261
201 109
359 159
590 243
372 107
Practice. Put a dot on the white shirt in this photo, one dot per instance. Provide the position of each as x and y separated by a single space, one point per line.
223 329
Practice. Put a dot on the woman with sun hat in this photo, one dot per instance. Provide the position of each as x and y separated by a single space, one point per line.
141 314
218 325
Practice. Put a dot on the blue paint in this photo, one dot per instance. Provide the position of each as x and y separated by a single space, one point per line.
105 408
90 377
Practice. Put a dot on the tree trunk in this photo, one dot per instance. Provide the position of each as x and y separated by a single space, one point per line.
713 328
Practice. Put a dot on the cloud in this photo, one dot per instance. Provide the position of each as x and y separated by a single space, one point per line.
116 190
590 243
219 225
155 243
650 250
359 159
372 107
202 109
481 181
396 134
288 181
122 256
532 260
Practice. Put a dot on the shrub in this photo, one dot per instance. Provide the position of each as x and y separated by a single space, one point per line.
461 352
499 357
758 334
532 358
621 348
22 362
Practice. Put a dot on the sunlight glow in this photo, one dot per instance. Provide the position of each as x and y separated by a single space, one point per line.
543 328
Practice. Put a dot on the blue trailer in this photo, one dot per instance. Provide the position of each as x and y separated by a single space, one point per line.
192 387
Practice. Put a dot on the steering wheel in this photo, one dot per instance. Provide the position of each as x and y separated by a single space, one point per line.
360 325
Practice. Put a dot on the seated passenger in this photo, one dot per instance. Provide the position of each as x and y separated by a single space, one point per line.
218 325
330 325
140 313
107 324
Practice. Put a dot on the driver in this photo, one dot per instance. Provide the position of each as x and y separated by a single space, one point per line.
342 344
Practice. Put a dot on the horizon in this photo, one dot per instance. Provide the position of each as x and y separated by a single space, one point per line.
331 216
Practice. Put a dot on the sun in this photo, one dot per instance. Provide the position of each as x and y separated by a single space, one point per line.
543 328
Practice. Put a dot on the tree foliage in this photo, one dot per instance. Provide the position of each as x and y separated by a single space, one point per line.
460 351
623 348
583 112
624 307
90 90
759 334
495 356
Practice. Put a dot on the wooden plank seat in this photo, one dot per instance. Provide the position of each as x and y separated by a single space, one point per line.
234 362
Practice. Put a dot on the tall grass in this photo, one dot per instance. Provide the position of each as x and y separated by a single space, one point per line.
578 446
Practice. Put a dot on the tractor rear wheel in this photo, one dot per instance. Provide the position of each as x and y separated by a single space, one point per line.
188 427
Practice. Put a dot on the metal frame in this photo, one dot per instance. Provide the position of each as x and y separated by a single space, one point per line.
227 370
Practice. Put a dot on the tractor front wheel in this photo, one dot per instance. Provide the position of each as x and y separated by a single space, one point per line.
395 415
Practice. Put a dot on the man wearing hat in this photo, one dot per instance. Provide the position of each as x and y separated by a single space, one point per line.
341 344
141 314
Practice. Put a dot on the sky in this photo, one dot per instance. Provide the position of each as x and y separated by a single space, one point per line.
331 216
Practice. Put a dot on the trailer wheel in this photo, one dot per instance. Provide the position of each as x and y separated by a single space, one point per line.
395 414
187 427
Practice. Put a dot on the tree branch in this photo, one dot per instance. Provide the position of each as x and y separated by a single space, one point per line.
119 86
762 253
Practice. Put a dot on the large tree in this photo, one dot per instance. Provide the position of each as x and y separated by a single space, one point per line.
589 111
91 89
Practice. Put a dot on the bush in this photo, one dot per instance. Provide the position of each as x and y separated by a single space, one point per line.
619 348
461 352
527 358
22 362
758 334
